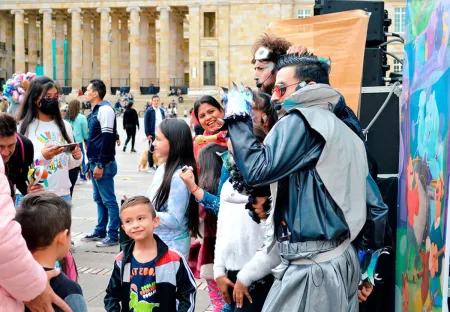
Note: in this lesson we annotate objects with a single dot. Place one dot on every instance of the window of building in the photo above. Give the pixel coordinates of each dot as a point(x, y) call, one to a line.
point(399, 20)
point(209, 24)
point(398, 67)
point(303, 13)
point(209, 73)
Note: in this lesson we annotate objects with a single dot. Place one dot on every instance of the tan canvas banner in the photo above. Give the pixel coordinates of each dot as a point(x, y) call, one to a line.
point(340, 36)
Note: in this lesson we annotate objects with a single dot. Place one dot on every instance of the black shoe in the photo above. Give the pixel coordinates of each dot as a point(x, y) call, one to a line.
point(92, 238)
point(124, 148)
point(133, 150)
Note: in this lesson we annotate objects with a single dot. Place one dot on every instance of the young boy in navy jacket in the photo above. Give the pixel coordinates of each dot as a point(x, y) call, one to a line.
point(147, 275)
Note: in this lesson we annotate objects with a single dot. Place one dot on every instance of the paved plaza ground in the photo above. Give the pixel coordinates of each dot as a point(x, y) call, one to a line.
point(95, 264)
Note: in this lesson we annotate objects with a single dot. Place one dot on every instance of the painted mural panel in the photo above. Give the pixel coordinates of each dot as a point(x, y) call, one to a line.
point(422, 261)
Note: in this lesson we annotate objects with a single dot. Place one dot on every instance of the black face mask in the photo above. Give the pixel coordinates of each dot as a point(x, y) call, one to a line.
point(49, 106)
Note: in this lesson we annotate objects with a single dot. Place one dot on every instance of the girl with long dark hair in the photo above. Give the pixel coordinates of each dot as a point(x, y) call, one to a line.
point(175, 206)
point(80, 132)
point(40, 120)
point(130, 122)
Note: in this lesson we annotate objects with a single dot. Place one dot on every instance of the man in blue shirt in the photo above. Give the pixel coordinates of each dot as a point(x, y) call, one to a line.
point(102, 167)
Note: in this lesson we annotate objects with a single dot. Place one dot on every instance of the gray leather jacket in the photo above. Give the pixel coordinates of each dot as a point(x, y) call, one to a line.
point(289, 156)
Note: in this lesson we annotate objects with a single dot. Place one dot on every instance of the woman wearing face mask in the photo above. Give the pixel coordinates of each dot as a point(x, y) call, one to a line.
point(40, 120)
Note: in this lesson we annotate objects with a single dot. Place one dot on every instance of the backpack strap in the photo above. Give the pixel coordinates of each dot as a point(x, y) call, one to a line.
point(22, 146)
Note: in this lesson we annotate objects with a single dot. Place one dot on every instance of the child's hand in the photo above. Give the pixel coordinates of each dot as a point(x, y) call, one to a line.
point(364, 291)
point(187, 175)
point(238, 294)
point(222, 284)
point(76, 153)
point(200, 139)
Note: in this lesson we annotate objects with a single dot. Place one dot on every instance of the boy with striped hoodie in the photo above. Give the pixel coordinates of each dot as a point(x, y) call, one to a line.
point(147, 275)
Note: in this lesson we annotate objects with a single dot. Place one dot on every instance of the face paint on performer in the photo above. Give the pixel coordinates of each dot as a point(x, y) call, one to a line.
point(264, 78)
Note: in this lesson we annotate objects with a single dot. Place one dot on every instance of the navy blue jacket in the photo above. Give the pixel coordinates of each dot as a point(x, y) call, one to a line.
point(102, 134)
point(150, 121)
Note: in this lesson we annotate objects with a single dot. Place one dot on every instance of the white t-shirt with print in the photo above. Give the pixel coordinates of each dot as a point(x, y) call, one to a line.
point(44, 134)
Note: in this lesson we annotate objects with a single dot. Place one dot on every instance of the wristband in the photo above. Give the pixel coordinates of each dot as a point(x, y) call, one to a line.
point(195, 190)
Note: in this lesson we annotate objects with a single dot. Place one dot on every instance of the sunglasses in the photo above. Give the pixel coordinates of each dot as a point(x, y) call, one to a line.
point(280, 89)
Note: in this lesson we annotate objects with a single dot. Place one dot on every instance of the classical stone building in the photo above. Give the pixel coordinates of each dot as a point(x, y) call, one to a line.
point(197, 44)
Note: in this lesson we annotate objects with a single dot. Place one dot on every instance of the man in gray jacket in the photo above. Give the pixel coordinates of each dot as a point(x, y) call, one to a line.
point(320, 208)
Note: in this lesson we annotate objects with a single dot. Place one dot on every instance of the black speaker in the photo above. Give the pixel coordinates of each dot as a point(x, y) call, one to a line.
point(383, 138)
point(373, 68)
point(375, 31)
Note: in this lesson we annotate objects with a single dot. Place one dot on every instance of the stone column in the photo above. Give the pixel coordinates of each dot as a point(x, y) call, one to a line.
point(124, 51)
point(87, 49)
point(286, 8)
point(32, 43)
point(9, 44)
point(143, 48)
point(115, 50)
point(47, 37)
point(76, 48)
point(60, 37)
point(224, 44)
point(105, 49)
point(180, 49)
point(172, 52)
point(97, 44)
point(152, 73)
point(194, 46)
point(19, 40)
point(164, 60)
point(134, 50)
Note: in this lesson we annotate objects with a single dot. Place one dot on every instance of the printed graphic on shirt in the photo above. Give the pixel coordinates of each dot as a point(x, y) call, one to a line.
point(60, 161)
point(143, 286)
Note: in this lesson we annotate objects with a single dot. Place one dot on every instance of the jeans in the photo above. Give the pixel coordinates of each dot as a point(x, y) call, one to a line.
point(106, 201)
point(83, 162)
point(131, 134)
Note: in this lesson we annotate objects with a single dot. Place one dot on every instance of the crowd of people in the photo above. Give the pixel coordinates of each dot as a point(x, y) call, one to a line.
point(268, 201)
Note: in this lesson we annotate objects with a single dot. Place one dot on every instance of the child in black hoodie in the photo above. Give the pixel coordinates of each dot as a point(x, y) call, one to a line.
point(147, 275)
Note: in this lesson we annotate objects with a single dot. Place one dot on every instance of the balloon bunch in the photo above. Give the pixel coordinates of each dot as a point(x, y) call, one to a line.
point(14, 88)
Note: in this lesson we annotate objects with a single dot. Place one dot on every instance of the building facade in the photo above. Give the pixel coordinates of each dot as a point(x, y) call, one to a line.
point(198, 44)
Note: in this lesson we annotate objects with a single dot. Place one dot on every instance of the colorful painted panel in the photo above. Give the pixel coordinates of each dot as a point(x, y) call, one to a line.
point(422, 261)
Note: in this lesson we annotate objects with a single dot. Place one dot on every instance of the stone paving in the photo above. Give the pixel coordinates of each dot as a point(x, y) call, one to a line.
point(95, 264)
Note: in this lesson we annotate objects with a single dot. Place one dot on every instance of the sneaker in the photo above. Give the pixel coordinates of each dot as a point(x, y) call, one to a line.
point(92, 238)
point(133, 151)
point(107, 242)
point(124, 148)
point(152, 170)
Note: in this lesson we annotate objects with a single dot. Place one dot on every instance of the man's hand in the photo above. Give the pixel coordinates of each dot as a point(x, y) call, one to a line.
point(222, 284)
point(238, 294)
point(76, 153)
point(258, 206)
point(35, 188)
point(43, 302)
point(364, 291)
point(188, 178)
point(51, 151)
point(118, 142)
point(297, 49)
point(98, 173)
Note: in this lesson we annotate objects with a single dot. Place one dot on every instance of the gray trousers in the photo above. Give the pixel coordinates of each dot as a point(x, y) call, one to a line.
point(321, 287)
